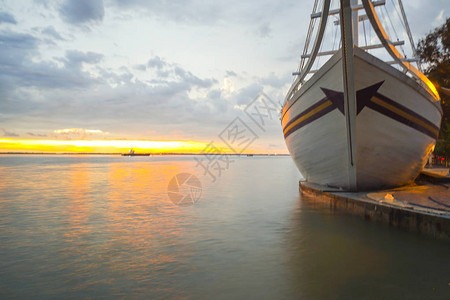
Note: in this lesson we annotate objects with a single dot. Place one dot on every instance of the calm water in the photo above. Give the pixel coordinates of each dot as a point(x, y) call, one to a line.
point(102, 226)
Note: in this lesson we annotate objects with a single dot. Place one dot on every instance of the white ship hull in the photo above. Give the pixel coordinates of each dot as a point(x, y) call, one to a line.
point(395, 127)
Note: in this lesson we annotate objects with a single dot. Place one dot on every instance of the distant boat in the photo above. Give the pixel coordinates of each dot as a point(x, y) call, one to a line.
point(249, 154)
point(358, 123)
point(132, 153)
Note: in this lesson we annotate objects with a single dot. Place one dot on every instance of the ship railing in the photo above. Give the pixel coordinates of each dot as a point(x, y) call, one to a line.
point(368, 47)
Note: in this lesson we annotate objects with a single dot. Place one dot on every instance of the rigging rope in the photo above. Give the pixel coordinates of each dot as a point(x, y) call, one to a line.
point(395, 31)
point(335, 32)
point(364, 29)
point(308, 37)
point(408, 32)
point(384, 18)
point(398, 15)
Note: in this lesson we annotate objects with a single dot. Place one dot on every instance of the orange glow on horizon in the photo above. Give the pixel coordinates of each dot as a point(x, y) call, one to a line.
point(100, 146)
point(110, 146)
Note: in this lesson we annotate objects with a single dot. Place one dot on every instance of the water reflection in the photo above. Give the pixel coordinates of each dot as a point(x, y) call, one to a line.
point(336, 256)
point(77, 221)
point(135, 231)
point(326, 256)
point(78, 207)
point(104, 226)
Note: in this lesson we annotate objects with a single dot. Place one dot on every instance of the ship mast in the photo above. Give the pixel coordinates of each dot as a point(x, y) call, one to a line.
point(348, 30)
point(355, 22)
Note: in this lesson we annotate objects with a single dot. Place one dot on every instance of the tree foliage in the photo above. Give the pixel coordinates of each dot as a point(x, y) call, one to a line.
point(434, 56)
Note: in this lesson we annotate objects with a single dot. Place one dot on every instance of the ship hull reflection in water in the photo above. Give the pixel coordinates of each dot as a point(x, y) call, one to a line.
point(104, 226)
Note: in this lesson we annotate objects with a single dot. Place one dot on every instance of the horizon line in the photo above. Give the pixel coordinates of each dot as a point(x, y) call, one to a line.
point(145, 153)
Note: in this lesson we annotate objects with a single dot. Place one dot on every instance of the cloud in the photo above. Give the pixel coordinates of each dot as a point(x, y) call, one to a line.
point(264, 30)
point(228, 86)
point(200, 12)
point(156, 62)
point(248, 93)
point(82, 11)
point(140, 67)
point(423, 16)
point(114, 99)
point(15, 47)
point(19, 69)
point(50, 31)
point(28, 85)
point(8, 133)
point(76, 58)
point(16, 67)
point(69, 88)
point(79, 132)
point(179, 11)
point(44, 3)
point(7, 18)
point(165, 70)
point(274, 81)
point(439, 18)
point(231, 74)
point(36, 134)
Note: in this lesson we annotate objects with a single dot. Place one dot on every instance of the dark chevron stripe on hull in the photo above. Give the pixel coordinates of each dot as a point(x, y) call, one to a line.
point(371, 98)
point(330, 102)
point(365, 97)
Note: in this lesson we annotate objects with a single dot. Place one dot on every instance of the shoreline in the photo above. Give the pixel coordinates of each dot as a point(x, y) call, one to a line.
point(151, 154)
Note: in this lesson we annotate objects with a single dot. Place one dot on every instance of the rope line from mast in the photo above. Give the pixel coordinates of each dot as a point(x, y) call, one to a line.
point(308, 37)
point(395, 31)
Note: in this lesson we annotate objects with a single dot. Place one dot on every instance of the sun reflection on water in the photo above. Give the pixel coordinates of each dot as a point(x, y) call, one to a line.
point(104, 218)
point(84, 226)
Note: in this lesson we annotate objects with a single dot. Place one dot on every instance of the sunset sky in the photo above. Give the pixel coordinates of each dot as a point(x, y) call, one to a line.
point(104, 76)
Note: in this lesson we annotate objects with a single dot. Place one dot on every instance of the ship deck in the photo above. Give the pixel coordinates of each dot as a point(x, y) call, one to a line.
point(422, 207)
